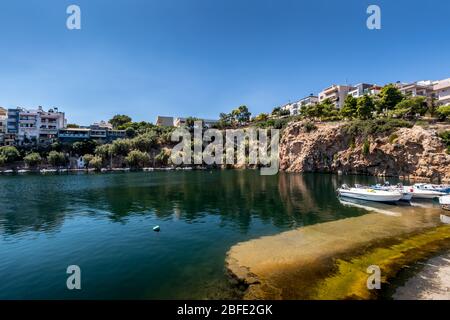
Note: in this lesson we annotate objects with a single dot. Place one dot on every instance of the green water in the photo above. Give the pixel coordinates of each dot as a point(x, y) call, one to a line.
point(103, 223)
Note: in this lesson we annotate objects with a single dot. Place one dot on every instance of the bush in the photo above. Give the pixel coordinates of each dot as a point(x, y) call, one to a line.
point(9, 154)
point(366, 147)
point(137, 159)
point(163, 157)
point(120, 147)
point(310, 126)
point(103, 151)
point(32, 159)
point(2, 160)
point(392, 138)
point(444, 112)
point(96, 162)
point(144, 142)
point(369, 127)
point(87, 159)
point(57, 158)
point(445, 136)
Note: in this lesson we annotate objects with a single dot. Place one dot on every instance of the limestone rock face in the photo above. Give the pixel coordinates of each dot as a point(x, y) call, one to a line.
point(416, 152)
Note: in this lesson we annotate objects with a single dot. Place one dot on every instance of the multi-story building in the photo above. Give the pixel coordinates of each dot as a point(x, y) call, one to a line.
point(178, 122)
point(33, 126)
point(3, 124)
point(49, 123)
point(418, 89)
point(442, 90)
point(164, 121)
point(336, 94)
point(295, 108)
point(360, 90)
point(102, 131)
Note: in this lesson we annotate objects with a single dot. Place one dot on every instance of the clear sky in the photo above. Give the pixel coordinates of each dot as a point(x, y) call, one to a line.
point(203, 57)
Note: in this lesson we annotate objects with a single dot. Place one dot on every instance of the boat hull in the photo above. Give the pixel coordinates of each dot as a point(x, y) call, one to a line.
point(370, 197)
point(445, 202)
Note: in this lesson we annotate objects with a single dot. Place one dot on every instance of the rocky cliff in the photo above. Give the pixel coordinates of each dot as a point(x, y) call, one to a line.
point(416, 152)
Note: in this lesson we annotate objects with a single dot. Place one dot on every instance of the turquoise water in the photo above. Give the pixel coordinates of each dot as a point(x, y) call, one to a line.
point(103, 223)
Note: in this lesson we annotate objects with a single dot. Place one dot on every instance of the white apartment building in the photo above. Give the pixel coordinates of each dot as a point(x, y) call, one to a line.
point(34, 126)
point(336, 94)
point(296, 107)
point(442, 90)
point(418, 89)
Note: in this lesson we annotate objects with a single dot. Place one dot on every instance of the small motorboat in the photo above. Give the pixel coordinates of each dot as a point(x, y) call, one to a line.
point(370, 194)
point(406, 193)
point(445, 202)
point(422, 191)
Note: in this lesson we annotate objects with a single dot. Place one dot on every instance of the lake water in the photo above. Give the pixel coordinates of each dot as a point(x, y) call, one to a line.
point(103, 223)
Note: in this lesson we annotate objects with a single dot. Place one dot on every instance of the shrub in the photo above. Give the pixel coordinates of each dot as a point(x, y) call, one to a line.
point(2, 160)
point(366, 147)
point(137, 159)
point(96, 162)
point(310, 126)
point(57, 158)
point(444, 112)
point(163, 157)
point(103, 151)
point(369, 127)
point(9, 154)
point(87, 159)
point(32, 159)
point(120, 147)
point(392, 138)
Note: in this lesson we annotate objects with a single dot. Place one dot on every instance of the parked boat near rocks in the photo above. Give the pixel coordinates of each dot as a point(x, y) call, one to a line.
point(370, 194)
point(445, 202)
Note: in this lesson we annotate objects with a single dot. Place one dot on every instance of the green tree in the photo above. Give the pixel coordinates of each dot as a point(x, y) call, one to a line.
point(72, 125)
point(120, 147)
point(103, 151)
point(410, 107)
point(87, 159)
point(262, 117)
point(443, 112)
point(390, 96)
point(137, 159)
point(32, 159)
point(96, 162)
point(241, 115)
point(364, 107)
point(57, 158)
point(83, 147)
point(119, 119)
point(2, 160)
point(349, 109)
point(9, 153)
point(144, 142)
point(163, 157)
point(130, 132)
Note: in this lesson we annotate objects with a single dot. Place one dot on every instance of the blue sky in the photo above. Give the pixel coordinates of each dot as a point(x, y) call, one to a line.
point(203, 57)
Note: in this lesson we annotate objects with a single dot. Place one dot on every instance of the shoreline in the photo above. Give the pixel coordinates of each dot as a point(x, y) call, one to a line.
point(329, 260)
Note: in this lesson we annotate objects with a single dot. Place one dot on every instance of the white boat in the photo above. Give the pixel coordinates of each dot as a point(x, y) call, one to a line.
point(370, 194)
point(445, 202)
point(420, 192)
point(406, 193)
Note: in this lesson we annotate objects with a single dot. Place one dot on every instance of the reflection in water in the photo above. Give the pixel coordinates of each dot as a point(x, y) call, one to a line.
point(103, 222)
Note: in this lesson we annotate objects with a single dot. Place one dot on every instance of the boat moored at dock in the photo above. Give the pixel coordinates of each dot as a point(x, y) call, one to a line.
point(370, 194)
